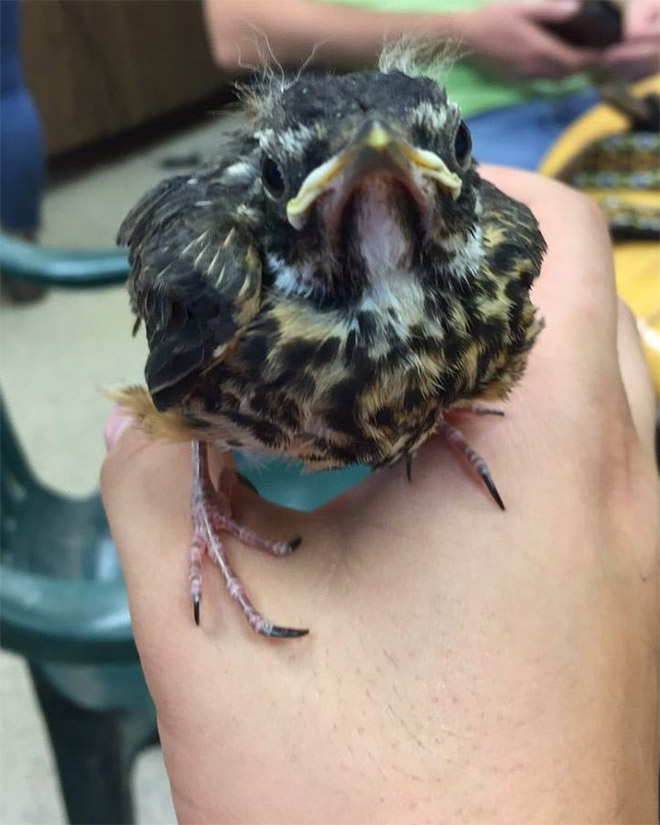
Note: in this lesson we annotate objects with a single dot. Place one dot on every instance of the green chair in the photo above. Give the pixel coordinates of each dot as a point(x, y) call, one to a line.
point(66, 268)
point(62, 599)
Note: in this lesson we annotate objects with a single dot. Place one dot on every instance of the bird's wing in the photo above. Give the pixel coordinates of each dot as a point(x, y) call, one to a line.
point(195, 272)
point(513, 234)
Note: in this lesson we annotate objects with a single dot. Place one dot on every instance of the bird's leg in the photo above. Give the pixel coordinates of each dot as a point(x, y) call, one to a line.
point(456, 441)
point(409, 463)
point(211, 516)
point(477, 409)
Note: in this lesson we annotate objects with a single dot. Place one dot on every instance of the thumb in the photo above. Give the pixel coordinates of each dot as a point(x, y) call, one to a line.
point(562, 57)
point(555, 11)
point(118, 421)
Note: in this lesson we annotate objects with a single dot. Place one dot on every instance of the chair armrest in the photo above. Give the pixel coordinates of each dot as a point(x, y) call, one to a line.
point(73, 268)
point(65, 620)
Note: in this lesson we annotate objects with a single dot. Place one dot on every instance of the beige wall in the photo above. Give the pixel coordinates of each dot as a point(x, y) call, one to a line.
point(97, 67)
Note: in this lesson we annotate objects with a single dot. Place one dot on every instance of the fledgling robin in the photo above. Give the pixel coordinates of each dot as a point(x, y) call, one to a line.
point(327, 289)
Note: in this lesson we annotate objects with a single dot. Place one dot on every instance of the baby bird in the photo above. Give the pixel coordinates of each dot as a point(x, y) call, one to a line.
point(327, 289)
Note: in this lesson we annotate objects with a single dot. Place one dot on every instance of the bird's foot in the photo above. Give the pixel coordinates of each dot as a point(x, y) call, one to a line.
point(211, 516)
point(456, 441)
point(478, 409)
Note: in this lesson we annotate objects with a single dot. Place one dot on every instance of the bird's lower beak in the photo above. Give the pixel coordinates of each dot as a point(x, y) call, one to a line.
point(375, 149)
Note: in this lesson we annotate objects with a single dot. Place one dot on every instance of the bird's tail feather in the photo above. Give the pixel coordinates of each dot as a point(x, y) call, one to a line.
point(136, 400)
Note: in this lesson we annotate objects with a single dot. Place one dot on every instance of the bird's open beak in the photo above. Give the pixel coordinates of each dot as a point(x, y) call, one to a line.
point(374, 149)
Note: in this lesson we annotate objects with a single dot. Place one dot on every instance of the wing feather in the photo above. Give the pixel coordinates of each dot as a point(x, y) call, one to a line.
point(195, 273)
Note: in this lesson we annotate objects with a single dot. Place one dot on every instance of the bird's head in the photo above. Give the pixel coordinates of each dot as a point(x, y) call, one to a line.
point(364, 177)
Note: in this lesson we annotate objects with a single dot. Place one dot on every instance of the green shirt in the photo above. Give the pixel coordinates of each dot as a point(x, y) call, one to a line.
point(475, 89)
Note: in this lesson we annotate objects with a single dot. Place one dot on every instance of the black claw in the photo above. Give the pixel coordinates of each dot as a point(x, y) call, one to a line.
point(295, 543)
point(409, 461)
point(283, 632)
point(489, 411)
point(492, 489)
point(195, 602)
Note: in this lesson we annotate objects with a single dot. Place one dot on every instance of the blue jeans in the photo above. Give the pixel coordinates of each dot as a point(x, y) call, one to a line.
point(22, 154)
point(521, 135)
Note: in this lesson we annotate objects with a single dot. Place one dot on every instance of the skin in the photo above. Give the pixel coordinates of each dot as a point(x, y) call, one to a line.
point(507, 36)
point(464, 664)
point(638, 54)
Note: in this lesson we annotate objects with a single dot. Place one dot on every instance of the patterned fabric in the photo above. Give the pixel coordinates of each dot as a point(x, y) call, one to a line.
point(613, 169)
point(630, 221)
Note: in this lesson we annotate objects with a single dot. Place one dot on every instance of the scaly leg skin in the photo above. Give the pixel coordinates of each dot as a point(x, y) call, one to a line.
point(456, 442)
point(211, 516)
point(477, 409)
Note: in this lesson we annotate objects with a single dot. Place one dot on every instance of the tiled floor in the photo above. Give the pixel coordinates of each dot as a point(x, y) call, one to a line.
point(57, 356)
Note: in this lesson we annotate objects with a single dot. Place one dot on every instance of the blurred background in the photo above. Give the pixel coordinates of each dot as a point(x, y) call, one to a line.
point(120, 95)
point(101, 99)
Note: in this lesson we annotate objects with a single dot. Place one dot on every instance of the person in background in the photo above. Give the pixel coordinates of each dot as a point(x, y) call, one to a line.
point(518, 86)
point(22, 149)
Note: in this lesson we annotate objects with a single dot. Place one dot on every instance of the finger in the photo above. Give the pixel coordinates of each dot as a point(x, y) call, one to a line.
point(118, 421)
point(143, 479)
point(633, 59)
point(559, 57)
point(635, 375)
point(555, 12)
point(643, 47)
point(641, 18)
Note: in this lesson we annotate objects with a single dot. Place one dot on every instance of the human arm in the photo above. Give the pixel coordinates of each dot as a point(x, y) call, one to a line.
point(463, 664)
point(507, 36)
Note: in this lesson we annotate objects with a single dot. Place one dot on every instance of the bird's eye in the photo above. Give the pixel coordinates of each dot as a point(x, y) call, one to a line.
point(271, 174)
point(462, 144)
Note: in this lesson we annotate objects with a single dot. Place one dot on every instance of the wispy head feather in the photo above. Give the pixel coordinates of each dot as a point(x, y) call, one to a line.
point(419, 56)
point(414, 55)
point(259, 95)
point(268, 80)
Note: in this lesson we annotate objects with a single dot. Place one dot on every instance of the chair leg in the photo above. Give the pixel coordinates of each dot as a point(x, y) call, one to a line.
point(94, 752)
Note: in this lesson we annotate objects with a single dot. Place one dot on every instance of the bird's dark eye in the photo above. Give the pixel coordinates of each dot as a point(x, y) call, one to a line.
point(272, 177)
point(462, 144)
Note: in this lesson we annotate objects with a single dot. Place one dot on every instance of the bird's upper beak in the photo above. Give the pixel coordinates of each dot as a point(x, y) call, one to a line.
point(374, 149)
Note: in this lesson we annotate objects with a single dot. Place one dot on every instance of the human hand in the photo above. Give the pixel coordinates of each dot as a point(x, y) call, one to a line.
point(638, 53)
point(463, 664)
point(511, 39)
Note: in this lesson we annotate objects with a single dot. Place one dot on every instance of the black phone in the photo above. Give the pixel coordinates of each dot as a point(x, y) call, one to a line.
point(597, 24)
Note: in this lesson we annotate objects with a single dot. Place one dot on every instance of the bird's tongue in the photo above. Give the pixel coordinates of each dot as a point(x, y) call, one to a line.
point(377, 220)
